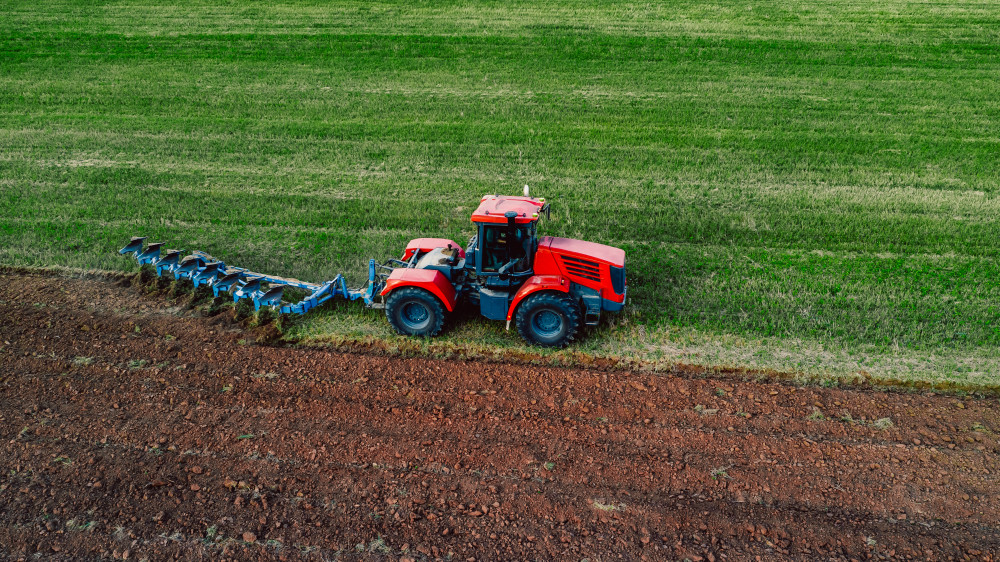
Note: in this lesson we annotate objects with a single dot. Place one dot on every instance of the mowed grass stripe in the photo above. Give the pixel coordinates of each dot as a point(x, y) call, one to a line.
point(891, 23)
point(844, 219)
point(887, 151)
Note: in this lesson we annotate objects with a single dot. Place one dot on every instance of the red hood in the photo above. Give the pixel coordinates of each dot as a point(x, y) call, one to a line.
point(582, 249)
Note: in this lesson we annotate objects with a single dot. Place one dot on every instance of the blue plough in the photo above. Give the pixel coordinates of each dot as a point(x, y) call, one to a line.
point(263, 290)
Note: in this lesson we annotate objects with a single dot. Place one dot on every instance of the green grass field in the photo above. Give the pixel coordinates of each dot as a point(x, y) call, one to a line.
point(799, 185)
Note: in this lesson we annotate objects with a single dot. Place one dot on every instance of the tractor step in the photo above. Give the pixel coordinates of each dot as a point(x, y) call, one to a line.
point(591, 313)
point(259, 288)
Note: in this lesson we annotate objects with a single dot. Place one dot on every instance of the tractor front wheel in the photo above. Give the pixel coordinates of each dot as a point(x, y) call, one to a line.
point(414, 312)
point(548, 319)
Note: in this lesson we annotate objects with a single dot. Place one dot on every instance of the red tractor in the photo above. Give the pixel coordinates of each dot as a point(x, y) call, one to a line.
point(549, 287)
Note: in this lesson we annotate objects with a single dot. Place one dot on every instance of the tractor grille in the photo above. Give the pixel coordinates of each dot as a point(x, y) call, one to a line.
point(582, 268)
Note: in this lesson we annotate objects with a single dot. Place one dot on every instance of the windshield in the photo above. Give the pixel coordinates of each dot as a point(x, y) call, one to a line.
point(502, 244)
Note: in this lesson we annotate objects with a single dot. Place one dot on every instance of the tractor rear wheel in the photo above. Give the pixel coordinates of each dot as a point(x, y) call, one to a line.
point(548, 319)
point(414, 312)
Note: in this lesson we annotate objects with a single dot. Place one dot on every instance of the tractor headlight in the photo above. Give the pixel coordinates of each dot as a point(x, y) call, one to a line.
point(618, 280)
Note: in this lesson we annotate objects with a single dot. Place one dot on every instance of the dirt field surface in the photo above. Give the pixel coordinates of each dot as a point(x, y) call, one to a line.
point(132, 429)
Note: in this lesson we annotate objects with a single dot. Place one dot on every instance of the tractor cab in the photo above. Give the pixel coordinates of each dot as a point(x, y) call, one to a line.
point(501, 255)
point(503, 249)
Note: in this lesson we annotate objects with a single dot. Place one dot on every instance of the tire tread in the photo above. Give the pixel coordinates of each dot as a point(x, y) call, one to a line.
point(560, 301)
point(406, 293)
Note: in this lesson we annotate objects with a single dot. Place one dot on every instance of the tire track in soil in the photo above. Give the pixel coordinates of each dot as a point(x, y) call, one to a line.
point(128, 426)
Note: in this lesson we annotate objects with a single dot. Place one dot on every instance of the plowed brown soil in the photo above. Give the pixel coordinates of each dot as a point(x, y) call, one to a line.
point(134, 429)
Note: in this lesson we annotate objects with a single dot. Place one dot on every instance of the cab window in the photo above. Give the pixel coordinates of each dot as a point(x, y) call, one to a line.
point(501, 245)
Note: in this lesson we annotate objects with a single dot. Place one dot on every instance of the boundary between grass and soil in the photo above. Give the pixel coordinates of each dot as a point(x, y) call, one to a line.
point(267, 329)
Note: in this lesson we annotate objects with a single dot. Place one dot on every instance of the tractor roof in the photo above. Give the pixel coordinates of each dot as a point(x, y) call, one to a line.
point(492, 209)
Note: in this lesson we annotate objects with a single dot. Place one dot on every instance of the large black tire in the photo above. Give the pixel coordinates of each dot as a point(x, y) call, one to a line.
point(548, 319)
point(414, 312)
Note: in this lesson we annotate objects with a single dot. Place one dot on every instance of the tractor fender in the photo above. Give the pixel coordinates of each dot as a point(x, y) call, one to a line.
point(534, 284)
point(430, 280)
point(428, 244)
